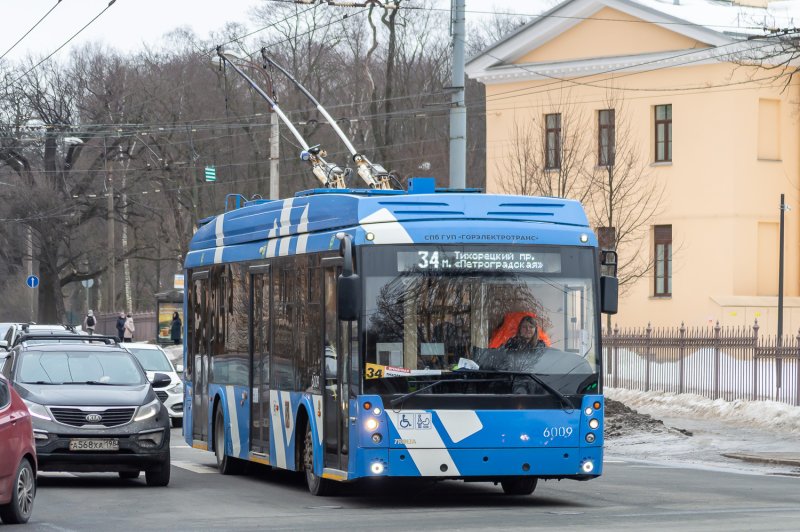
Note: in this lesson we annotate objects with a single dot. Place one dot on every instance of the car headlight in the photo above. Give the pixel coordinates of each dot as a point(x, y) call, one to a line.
point(147, 411)
point(37, 410)
point(178, 388)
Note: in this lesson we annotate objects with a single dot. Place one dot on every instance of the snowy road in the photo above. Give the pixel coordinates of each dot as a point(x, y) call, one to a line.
point(716, 428)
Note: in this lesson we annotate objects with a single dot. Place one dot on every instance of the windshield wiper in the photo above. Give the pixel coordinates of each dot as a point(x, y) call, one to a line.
point(42, 382)
point(538, 380)
point(90, 382)
point(402, 398)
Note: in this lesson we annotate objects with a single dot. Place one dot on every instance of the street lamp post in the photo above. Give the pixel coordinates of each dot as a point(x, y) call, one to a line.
point(784, 208)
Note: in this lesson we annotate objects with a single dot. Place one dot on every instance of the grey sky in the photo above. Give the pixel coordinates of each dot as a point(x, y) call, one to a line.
point(128, 24)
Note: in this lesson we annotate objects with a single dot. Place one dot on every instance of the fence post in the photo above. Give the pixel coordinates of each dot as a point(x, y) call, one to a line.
point(716, 360)
point(681, 354)
point(797, 368)
point(755, 361)
point(648, 332)
point(615, 355)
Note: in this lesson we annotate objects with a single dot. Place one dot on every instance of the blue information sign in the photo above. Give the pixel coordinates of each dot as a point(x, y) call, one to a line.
point(32, 281)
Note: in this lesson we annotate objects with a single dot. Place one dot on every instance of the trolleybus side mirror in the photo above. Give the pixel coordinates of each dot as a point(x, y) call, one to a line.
point(609, 284)
point(609, 294)
point(348, 286)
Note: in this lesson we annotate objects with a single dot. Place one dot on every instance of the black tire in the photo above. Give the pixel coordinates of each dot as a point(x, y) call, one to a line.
point(227, 465)
point(316, 485)
point(129, 475)
point(19, 509)
point(158, 476)
point(177, 422)
point(519, 485)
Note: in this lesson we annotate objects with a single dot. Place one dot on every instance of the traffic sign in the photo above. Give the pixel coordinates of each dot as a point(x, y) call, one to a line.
point(211, 173)
point(32, 281)
point(87, 283)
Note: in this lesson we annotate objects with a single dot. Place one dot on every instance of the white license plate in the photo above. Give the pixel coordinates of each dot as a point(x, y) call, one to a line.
point(94, 445)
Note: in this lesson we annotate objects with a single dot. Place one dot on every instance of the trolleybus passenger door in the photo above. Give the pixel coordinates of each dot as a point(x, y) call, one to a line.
point(335, 393)
point(199, 354)
point(259, 358)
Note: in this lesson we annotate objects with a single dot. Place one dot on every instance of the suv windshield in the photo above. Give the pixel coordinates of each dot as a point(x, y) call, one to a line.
point(75, 367)
point(151, 359)
point(521, 310)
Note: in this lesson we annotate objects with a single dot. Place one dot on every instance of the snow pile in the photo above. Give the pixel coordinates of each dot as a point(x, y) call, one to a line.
point(767, 414)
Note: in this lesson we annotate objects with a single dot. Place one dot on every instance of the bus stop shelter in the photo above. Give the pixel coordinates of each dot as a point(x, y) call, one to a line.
point(166, 304)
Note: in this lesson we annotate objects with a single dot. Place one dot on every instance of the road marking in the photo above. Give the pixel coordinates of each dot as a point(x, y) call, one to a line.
point(195, 468)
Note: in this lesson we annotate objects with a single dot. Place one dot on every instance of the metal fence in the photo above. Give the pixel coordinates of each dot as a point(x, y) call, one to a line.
point(715, 362)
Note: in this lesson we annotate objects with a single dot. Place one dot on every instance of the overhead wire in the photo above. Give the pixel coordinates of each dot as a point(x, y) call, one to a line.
point(54, 52)
point(30, 30)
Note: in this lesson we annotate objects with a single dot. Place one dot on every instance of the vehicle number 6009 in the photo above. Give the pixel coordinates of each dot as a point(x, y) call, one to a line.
point(557, 432)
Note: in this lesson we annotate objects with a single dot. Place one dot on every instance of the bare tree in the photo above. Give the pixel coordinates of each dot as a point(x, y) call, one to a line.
point(625, 200)
point(547, 154)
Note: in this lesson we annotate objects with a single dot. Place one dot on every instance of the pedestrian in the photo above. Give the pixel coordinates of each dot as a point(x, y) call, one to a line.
point(129, 329)
point(89, 322)
point(121, 326)
point(175, 328)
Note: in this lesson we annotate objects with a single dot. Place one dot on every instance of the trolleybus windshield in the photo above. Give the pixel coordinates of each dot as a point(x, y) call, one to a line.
point(483, 314)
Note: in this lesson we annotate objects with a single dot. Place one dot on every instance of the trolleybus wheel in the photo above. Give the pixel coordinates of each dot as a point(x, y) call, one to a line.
point(519, 485)
point(226, 464)
point(316, 485)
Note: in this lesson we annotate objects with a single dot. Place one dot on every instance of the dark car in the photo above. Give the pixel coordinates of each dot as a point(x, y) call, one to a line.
point(93, 408)
point(18, 453)
point(15, 331)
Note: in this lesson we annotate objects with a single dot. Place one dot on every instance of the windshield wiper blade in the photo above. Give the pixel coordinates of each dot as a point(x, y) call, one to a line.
point(402, 398)
point(42, 382)
point(538, 380)
point(90, 382)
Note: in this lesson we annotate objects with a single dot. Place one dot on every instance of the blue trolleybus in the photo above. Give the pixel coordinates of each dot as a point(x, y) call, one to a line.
point(425, 333)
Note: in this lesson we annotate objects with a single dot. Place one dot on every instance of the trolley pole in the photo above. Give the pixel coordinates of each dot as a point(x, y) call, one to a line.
point(458, 110)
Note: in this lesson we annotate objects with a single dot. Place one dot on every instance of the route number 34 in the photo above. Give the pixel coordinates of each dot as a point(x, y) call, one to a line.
point(557, 432)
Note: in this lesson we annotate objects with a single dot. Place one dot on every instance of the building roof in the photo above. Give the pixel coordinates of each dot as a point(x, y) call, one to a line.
point(724, 27)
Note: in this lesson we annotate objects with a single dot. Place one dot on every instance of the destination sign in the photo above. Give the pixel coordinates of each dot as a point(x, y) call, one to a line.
point(513, 261)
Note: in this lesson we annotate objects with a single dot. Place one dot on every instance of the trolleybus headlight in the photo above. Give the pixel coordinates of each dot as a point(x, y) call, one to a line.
point(584, 238)
point(376, 438)
point(594, 423)
point(376, 468)
point(376, 411)
point(588, 411)
point(588, 466)
point(590, 438)
point(371, 424)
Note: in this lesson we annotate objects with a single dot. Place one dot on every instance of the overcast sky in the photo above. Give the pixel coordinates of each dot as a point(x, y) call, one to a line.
point(129, 23)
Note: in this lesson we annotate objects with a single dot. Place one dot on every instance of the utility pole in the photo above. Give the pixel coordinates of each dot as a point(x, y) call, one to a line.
point(111, 269)
point(458, 110)
point(274, 153)
point(784, 208)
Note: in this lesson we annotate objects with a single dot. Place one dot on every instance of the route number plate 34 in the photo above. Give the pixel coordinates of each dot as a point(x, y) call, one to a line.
point(94, 445)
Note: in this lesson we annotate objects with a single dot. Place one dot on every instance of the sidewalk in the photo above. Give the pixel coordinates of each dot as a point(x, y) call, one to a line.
point(789, 459)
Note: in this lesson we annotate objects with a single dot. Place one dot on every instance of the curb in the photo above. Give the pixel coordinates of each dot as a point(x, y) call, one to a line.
point(790, 459)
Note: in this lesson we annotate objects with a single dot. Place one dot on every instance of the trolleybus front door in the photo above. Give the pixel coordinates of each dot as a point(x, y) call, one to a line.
point(259, 359)
point(199, 354)
point(335, 392)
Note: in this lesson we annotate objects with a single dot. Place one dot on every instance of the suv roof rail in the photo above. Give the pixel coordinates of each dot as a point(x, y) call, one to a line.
point(108, 340)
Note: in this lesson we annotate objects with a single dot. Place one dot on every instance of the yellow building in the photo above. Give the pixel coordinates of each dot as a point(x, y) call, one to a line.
point(702, 143)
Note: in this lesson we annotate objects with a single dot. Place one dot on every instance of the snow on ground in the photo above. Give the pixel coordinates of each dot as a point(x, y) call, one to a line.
point(696, 431)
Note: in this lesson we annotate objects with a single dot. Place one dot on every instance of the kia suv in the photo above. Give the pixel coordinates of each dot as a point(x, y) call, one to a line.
point(93, 408)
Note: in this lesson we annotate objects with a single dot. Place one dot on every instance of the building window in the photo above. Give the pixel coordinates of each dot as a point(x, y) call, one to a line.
point(663, 133)
point(553, 141)
point(662, 236)
point(605, 138)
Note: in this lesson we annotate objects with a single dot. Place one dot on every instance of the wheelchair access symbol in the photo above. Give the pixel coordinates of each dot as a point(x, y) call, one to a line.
point(415, 421)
